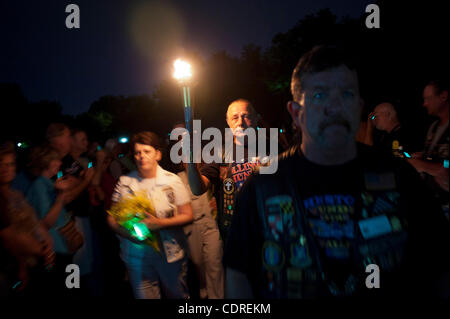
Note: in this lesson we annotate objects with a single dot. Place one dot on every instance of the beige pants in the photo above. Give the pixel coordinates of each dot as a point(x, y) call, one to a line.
point(205, 252)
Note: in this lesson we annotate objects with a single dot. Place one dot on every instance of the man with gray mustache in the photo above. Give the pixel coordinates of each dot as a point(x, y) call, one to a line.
point(336, 216)
point(227, 177)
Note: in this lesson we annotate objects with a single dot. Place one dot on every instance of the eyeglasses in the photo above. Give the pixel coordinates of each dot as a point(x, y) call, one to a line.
point(374, 115)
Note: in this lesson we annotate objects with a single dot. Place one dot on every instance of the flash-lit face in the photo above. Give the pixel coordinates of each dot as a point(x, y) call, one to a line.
point(431, 101)
point(381, 119)
point(330, 107)
point(7, 169)
point(240, 117)
point(62, 143)
point(80, 141)
point(146, 157)
point(54, 166)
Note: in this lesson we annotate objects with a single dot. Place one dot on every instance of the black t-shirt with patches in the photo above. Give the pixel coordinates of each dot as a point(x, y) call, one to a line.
point(336, 209)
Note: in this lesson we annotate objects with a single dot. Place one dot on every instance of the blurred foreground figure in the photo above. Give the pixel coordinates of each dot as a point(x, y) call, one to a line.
point(25, 245)
point(335, 209)
point(49, 199)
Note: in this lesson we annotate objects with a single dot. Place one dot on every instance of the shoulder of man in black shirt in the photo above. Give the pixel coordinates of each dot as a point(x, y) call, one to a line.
point(244, 243)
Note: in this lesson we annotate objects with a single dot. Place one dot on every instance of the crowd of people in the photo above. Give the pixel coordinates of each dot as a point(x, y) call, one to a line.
point(342, 198)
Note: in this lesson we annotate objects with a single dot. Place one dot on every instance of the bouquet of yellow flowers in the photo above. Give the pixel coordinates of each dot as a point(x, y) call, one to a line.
point(130, 211)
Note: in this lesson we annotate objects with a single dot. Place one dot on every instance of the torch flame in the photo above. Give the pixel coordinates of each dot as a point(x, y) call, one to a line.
point(182, 70)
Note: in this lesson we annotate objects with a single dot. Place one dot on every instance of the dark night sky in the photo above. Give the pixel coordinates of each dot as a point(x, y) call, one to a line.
point(127, 47)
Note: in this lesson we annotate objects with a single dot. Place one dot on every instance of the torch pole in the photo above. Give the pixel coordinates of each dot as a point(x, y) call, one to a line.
point(188, 114)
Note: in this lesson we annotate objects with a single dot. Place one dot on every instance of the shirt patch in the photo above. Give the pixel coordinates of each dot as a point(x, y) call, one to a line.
point(241, 171)
point(375, 227)
point(273, 256)
point(331, 223)
point(169, 194)
point(228, 186)
point(380, 181)
point(336, 230)
point(280, 216)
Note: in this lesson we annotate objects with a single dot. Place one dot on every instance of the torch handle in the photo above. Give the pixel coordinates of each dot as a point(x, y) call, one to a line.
point(188, 119)
point(188, 116)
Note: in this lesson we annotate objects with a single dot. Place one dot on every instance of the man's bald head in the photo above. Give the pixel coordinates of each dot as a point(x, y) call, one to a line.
point(385, 117)
point(241, 103)
point(386, 107)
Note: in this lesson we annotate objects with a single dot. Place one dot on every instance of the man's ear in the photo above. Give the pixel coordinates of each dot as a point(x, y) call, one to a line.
point(294, 110)
point(158, 155)
point(443, 96)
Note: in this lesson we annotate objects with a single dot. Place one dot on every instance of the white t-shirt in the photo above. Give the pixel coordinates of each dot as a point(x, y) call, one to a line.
point(166, 191)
